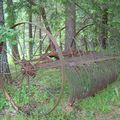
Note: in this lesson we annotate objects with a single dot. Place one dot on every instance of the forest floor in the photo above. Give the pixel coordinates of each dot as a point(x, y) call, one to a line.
point(104, 106)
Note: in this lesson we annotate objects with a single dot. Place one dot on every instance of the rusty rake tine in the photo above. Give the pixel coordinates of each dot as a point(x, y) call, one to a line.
point(39, 45)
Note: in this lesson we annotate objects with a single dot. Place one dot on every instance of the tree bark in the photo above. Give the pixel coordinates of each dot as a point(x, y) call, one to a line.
point(1, 23)
point(11, 22)
point(70, 24)
point(4, 67)
point(30, 33)
point(104, 27)
point(40, 36)
point(1, 13)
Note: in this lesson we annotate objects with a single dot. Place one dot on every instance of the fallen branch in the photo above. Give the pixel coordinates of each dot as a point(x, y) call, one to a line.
point(8, 97)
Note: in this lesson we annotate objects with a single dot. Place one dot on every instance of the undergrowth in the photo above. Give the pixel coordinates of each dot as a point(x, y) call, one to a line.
point(83, 110)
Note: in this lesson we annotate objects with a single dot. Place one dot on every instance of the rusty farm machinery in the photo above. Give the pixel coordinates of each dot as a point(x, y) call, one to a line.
point(86, 72)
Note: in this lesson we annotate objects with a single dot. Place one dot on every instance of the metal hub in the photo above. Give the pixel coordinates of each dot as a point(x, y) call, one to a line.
point(28, 68)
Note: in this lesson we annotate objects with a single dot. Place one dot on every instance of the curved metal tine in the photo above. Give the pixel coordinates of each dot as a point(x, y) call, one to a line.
point(39, 45)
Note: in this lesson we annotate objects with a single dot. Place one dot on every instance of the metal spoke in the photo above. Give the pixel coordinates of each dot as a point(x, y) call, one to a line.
point(39, 46)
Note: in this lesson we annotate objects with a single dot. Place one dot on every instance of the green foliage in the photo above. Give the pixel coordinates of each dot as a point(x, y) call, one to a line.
point(88, 11)
point(3, 102)
point(6, 34)
point(83, 110)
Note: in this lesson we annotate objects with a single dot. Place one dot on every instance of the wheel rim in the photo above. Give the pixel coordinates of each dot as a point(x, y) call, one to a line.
point(48, 89)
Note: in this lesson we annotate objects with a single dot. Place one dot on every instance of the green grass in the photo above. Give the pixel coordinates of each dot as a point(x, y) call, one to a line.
point(102, 103)
point(103, 100)
point(3, 102)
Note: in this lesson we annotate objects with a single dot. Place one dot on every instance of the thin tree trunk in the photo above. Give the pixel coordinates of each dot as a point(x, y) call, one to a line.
point(70, 26)
point(11, 22)
point(61, 46)
point(104, 27)
point(1, 21)
point(4, 67)
point(40, 36)
point(1, 13)
point(30, 33)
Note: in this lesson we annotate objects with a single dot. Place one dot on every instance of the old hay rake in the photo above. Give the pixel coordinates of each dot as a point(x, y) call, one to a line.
point(32, 87)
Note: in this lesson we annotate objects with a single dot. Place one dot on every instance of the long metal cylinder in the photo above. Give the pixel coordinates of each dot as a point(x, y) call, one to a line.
point(85, 80)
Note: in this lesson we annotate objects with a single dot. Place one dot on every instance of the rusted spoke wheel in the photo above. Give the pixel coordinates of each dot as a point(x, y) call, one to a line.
point(33, 88)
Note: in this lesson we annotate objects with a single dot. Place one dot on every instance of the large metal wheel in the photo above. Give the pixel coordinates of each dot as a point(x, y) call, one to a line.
point(33, 86)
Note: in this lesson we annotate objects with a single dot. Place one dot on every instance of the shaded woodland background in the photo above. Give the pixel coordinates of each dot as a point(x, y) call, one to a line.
point(86, 25)
point(97, 21)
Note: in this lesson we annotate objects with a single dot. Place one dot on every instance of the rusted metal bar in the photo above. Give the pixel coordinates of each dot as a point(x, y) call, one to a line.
point(75, 61)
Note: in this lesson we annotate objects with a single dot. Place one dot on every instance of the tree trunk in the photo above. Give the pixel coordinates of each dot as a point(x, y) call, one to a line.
point(70, 25)
point(40, 36)
point(104, 27)
point(30, 32)
point(11, 22)
point(1, 23)
point(1, 13)
point(44, 17)
point(4, 67)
